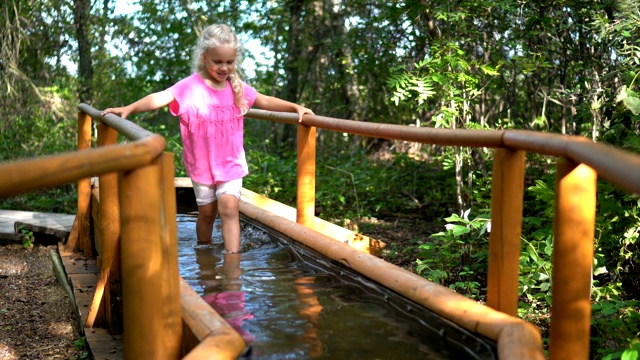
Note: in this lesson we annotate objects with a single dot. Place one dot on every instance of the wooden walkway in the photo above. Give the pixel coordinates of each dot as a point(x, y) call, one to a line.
point(81, 272)
point(83, 275)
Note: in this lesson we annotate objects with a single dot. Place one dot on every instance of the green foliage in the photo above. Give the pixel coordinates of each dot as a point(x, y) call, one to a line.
point(457, 257)
point(352, 185)
point(622, 102)
point(535, 254)
point(629, 98)
point(29, 239)
point(38, 131)
point(448, 74)
point(61, 199)
point(81, 344)
point(616, 245)
point(272, 176)
point(615, 260)
point(170, 129)
point(617, 329)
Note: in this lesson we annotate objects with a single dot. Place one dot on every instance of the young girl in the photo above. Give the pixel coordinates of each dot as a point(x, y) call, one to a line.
point(211, 104)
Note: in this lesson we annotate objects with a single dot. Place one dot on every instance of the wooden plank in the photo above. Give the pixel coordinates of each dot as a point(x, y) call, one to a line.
point(83, 274)
point(79, 265)
point(53, 224)
point(104, 346)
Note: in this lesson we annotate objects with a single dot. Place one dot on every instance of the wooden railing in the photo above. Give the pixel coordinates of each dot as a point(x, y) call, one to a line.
point(580, 162)
point(150, 280)
point(138, 218)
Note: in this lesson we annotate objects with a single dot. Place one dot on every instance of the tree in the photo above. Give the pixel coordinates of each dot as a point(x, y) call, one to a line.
point(81, 16)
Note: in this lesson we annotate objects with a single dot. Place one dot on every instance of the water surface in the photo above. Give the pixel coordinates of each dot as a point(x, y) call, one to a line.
point(289, 303)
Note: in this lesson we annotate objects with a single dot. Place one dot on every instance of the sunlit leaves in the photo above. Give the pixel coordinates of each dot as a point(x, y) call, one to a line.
point(630, 100)
point(448, 77)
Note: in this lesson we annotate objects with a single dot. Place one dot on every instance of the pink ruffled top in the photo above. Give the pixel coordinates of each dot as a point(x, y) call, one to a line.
point(212, 130)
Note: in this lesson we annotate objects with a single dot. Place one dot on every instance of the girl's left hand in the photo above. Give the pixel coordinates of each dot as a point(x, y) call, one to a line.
point(301, 110)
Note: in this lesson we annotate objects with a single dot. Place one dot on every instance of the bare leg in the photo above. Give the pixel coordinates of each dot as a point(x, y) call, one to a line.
point(228, 209)
point(204, 223)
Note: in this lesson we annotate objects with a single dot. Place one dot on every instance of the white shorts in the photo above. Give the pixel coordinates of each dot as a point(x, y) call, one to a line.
point(207, 194)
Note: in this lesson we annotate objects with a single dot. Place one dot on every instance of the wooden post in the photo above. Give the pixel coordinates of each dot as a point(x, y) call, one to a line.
point(173, 340)
point(149, 319)
point(572, 259)
point(306, 195)
point(80, 238)
point(507, 195)
point(108, 289)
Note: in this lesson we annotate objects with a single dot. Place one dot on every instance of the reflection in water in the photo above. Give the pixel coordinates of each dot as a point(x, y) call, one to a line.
point(310, 310)
point(227, 297)
point(289, 304)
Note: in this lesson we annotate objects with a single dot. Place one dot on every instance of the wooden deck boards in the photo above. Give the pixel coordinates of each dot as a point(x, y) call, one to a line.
point(83, 274)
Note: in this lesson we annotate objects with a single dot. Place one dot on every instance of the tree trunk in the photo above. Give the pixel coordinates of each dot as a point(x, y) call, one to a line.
point(291, 67)
point(81, 13)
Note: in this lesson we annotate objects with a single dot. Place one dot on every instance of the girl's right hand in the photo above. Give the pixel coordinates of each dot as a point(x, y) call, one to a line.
point(123, 111)
point(150, 102)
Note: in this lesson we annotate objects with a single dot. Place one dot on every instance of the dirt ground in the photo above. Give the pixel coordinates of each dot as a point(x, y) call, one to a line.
point(37, 318)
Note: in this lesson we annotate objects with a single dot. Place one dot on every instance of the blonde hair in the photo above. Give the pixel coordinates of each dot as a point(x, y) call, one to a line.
point(222, 35)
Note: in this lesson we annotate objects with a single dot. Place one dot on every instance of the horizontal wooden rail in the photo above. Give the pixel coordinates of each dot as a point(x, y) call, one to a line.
point(476, 138)
point(216, 338)
point(619, 167)
point(128, 129)
point(28, 175)
point(516, 338)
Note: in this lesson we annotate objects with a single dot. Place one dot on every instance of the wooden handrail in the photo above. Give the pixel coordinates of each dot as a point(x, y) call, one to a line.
point(476, 138)
point(27, 175)
point(617, 166)
point(620, 168)
point(127, 128)
point(473, 316)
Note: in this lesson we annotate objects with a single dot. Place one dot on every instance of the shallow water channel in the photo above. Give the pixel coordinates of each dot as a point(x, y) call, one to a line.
point(289, 303)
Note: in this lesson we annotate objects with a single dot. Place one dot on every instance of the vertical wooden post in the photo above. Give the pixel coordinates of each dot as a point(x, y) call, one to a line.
point(173, 339)
point(80, 239)
point(148, 302)
point(572, 259)
point(507, 195)
point(306, 195)
point(108, 289)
